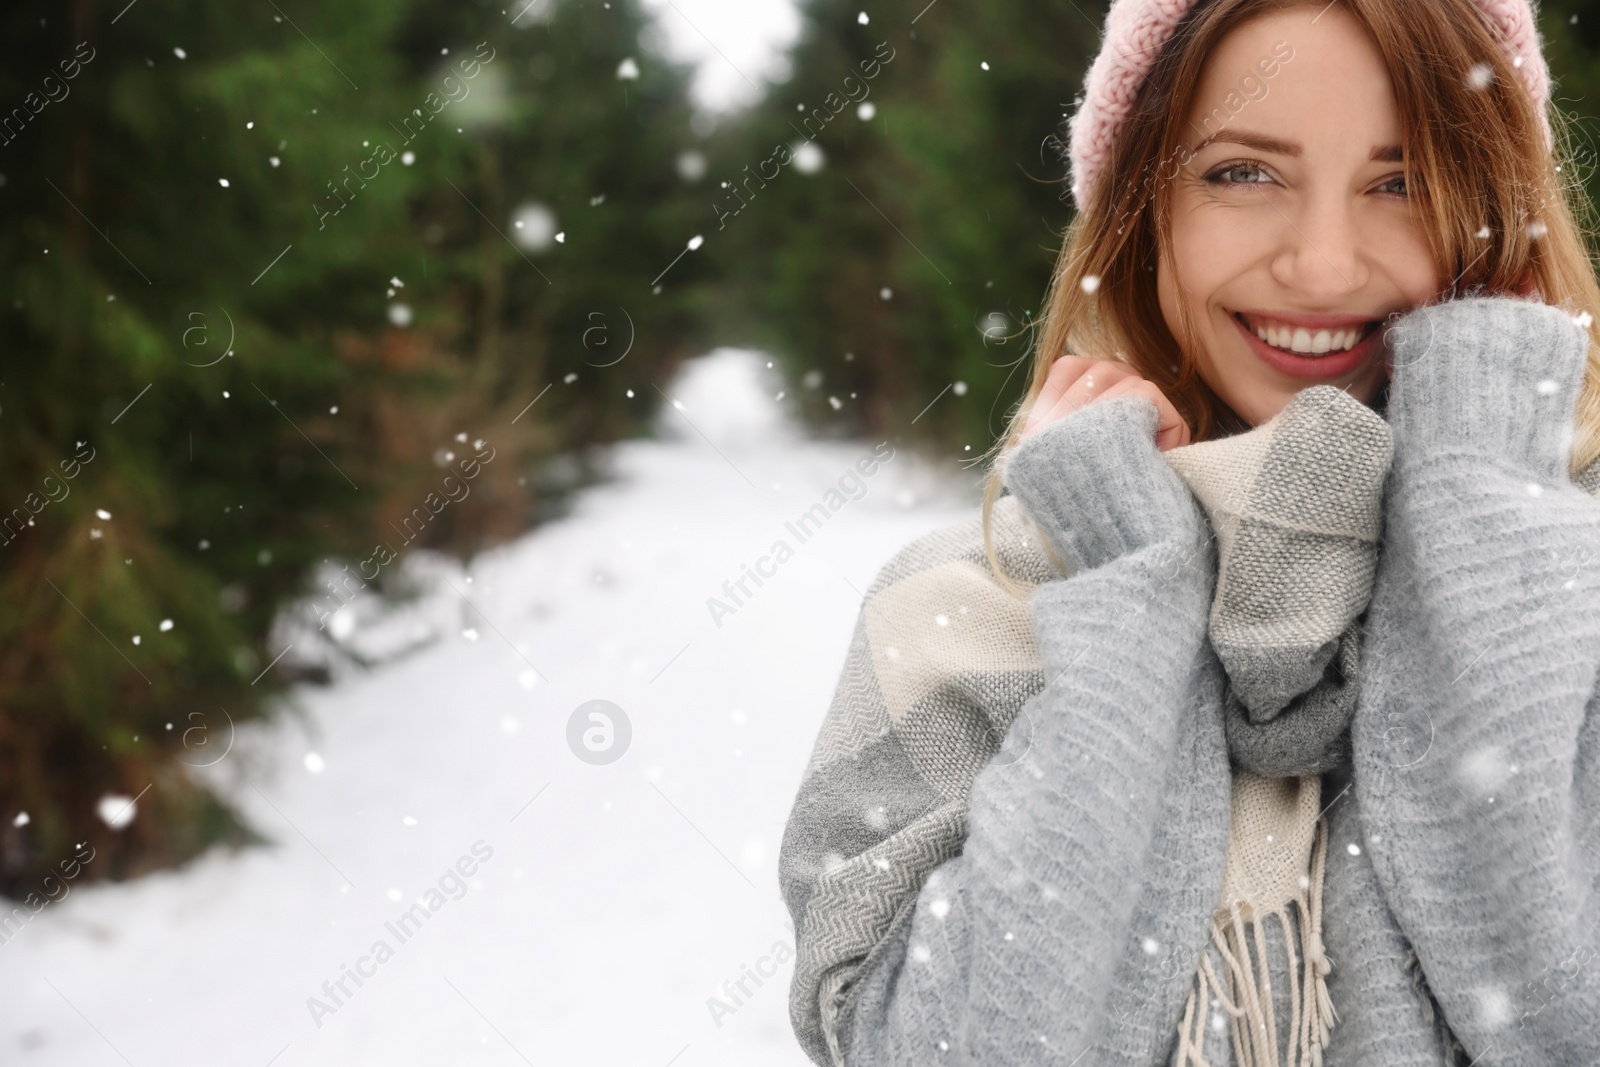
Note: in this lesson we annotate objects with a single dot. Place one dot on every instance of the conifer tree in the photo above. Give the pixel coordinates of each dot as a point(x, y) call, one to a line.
point(261, 276)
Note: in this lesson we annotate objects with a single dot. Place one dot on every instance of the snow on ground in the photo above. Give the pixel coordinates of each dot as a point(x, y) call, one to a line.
point(605, 904)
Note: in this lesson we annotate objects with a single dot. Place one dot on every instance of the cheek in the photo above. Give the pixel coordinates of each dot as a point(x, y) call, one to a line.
point(1167, 294)
point(1199, 263)
point(1410, 263)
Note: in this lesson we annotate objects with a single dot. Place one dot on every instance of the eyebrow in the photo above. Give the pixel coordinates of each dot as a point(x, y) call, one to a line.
point(1263, 143)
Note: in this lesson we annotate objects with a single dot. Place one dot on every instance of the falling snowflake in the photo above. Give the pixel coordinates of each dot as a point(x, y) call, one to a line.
point(1494, 1007)
point(808, 158)
point(1484, 770)
point(535, 227)
point(115, 810)
point(691, 166)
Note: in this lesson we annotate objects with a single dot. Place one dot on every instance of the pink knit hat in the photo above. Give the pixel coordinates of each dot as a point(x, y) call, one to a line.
point(1136, 30)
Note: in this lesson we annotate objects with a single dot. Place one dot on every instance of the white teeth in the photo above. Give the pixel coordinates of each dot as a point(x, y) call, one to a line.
point(1302, 340)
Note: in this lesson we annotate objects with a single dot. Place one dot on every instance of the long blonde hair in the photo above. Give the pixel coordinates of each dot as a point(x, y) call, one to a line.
point(1486, 167)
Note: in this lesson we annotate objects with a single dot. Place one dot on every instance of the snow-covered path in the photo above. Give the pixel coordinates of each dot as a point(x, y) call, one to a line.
point(604, 904)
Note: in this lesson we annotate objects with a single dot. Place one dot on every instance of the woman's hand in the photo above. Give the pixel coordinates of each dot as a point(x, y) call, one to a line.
point(1498, 376)
point(1075, 382)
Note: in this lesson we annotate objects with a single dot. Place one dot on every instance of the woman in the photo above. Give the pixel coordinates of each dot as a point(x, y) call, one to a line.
point(1286, 757)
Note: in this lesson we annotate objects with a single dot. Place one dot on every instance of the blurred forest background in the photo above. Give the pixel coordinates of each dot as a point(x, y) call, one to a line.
point(270, 269)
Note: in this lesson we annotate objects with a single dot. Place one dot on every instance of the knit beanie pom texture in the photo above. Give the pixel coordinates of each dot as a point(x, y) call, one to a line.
point(1136, 30)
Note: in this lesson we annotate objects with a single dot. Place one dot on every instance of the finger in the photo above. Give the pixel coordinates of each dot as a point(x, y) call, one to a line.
point(1063, 372)
point(1086, 382)
point(1171, 429)
point(1094, 382)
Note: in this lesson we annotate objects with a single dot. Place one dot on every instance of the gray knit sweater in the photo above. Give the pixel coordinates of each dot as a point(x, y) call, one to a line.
point(1463, 858)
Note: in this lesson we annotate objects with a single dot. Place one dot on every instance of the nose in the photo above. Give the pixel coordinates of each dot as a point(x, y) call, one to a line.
point(1321, 254)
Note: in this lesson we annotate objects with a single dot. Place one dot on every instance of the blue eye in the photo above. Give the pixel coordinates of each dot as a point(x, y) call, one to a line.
point(1220, 176)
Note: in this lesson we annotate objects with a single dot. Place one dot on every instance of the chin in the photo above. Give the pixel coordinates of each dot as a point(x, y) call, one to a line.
point(1261, 404)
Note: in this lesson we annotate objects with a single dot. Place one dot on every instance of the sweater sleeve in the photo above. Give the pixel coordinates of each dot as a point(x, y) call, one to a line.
point(1007, 953)
point(1477, 735)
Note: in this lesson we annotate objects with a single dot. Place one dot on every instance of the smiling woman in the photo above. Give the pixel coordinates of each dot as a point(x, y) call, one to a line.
point(1293, 233)
point(1310, 417)
point(1336, 200)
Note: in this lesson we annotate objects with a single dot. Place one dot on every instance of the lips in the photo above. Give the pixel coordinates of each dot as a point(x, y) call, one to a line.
point(1314, 367)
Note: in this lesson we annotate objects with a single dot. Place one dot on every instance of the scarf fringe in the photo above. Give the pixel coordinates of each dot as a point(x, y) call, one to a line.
point(1250, 1007)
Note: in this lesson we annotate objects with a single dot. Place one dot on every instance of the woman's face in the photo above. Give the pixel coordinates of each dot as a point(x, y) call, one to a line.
point(1292, 217)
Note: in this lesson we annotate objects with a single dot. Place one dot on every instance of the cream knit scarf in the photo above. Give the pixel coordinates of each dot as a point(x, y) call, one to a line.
point(1295, 504)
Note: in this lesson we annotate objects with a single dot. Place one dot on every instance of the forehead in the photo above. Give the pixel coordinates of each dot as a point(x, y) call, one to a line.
point(1333, 83)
